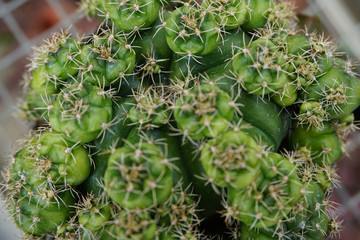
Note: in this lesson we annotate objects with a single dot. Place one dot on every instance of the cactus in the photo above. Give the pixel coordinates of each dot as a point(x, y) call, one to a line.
point(81, 111)
point(55, 62)
point(107, 59)
point(181, 120)
point(191, 31)
point(204, 112)
point(232, 160)
point(137, 176)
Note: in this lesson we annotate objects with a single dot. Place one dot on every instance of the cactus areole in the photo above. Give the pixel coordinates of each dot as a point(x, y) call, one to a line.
point(183, 120)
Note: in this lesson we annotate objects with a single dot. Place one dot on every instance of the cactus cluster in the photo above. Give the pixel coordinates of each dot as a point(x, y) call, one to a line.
point(183, 120)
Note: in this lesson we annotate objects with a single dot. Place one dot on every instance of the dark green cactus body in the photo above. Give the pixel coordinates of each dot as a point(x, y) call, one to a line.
point(266, 116)
point(201, 186)
point(132, 84)
point(118, 128)
point(112, 137)
point(311, 222)
point(257, 134)
point(182, 66)
point(254, 234)
point(152, 50)
point(94, 184)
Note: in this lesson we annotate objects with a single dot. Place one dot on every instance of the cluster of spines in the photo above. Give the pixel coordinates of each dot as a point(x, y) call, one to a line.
point(152, 108)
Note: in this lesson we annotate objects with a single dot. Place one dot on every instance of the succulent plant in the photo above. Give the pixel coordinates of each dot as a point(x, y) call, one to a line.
point(183, 120)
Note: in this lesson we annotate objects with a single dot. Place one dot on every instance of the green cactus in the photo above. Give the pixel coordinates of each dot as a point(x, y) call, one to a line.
point(151, 109)
point(262, 67)
point(92, 213)
point(54, 63)
point(181, 120)
point(152, 51)
point(270, 197)
point(39, 184)
point(324, 144)
point(232, 160)
point(337, 91)
point(230, 14)
point(204, 112)
point(137, 177)
point(184, 66)
point(37, 218)
point(131, 15)
point(108, 59)
point(81, 111)
point(192, 31)
point(257, 14)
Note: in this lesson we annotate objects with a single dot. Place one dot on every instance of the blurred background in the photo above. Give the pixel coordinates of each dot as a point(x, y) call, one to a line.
point(25, 23)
